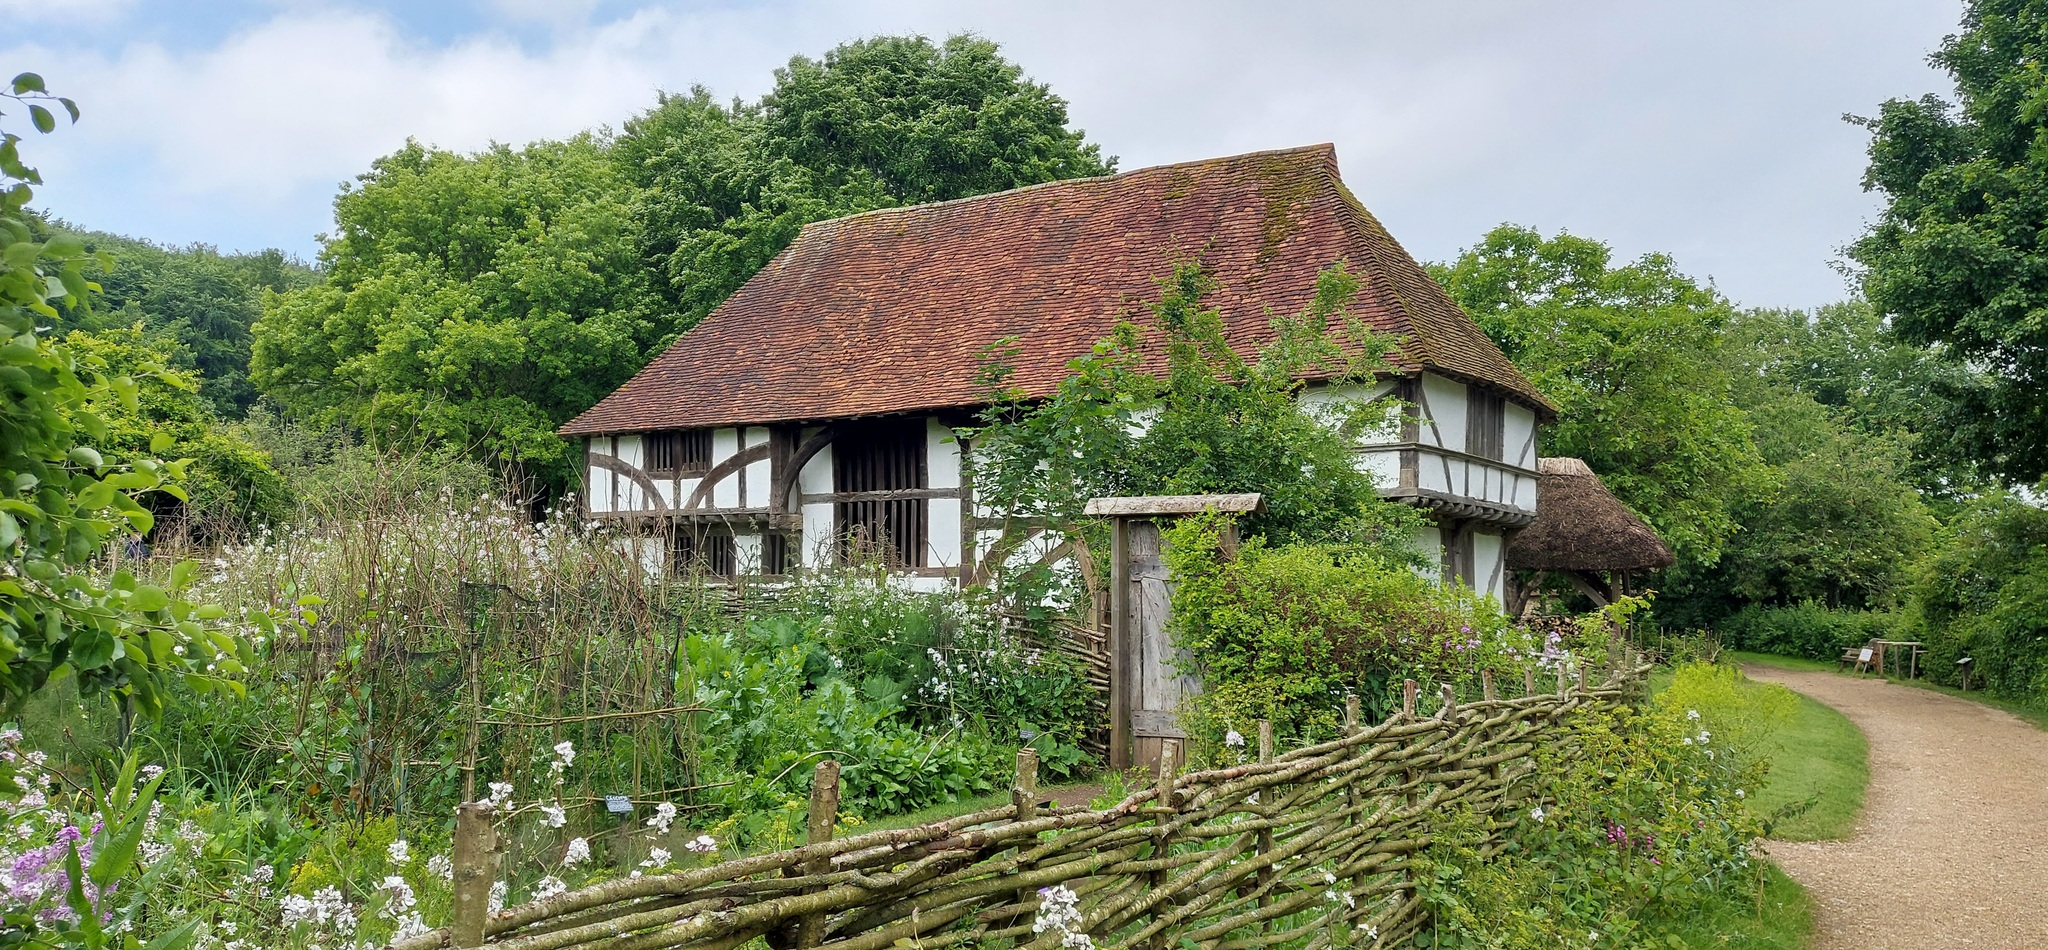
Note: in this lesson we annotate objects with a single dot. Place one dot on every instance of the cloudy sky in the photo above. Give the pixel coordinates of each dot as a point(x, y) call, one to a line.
point(1710, 131)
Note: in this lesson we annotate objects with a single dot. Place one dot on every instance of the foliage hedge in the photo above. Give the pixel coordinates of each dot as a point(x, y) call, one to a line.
point(1983, 593)
point(1809, 630)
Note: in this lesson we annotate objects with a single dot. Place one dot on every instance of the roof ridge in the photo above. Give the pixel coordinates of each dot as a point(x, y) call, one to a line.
point(1329, 147)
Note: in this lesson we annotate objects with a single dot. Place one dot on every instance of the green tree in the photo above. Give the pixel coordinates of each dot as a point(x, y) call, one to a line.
point(229, 481)
point(1215, 421)
point(1632, 356)
point(1956, 259)
point(63, 612)
point(475, 300)
point(874, 123)
point(204, 299)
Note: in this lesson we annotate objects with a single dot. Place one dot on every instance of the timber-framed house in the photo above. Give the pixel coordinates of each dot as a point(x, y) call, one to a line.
point(811, 418)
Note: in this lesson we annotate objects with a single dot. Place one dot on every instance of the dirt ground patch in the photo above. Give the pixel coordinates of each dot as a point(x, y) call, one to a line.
point(1952, 847)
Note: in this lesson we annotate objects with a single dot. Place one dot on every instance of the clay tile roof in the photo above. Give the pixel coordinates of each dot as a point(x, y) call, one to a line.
point(890, 311)
point(1581, 526)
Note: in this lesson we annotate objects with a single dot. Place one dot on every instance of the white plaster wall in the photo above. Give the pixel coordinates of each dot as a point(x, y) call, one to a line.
point(942, 515)
point(746, 553)
point(1488, 574)
point(757, 472)
point(1518, 441)
point(1446, 401)
point(1430, 542)
point(725, 443)
point(599, 481)
point(631, 497)
point(1328, 403)
point(816, 479)
point(1383, 466)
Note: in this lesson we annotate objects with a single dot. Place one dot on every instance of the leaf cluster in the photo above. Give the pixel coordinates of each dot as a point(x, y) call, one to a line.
point(1955, 259)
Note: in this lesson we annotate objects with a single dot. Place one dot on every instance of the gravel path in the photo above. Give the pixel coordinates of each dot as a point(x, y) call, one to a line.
point(1952, 847)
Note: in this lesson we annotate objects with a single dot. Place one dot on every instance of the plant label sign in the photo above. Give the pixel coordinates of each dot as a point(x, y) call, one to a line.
point(1863, 657)
point(618, 804)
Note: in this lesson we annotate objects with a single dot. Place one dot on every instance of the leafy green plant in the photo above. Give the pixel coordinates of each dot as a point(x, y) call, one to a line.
point(61, 501)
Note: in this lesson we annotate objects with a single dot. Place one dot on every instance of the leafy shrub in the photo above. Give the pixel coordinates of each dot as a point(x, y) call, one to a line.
point(1808, 630)
point(1632, 829)
point(1984, 594)
point(1286, 632)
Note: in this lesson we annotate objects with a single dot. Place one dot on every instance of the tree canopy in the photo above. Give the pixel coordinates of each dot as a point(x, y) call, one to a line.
point(873, 123)
point(483, 300)
point(1633, 357)
point(1955, 258)
point(478, 301)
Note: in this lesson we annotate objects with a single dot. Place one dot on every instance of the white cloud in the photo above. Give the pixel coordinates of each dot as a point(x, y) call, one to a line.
point(97, 12)
point(1711, 132)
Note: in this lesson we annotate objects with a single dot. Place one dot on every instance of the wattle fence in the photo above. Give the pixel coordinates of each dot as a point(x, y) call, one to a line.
point(1312, 848)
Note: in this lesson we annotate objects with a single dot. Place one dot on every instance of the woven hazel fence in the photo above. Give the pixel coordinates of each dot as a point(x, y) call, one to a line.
point(1310, 849)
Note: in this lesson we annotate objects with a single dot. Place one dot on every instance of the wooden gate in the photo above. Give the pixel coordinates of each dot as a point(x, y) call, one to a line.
point(1149, 676)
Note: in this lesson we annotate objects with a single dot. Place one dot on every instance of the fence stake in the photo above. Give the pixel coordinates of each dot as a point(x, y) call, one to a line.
point(1351, 715)
point(1486, 686)
point(1560, 681)
point(1408, 698)
point(1164, 830)
point(1528, 681)
point(475, 845)
point(1024, 794)
point(1265, 875)
point(1450, 707)
point(1582, 678)
point(824, 811)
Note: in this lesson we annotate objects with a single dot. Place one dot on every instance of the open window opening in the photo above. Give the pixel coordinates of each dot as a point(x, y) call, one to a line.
point(679, 453)
point(870, 464)
point(701, 550)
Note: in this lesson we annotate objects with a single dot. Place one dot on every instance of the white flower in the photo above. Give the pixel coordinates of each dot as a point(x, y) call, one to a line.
point(1704, 736)
point(565, 753)
point(549, 886)
point(664, 816)
point(1693, 715)
point(498, 891)
point(150, 772)
point(702, 844)
point(1059, 908)
point(439, 866)
point(656, 858)
point(401, 896)
point(1537, 813)
point(579, 852)
point(1740, 794)
point(501, 795)
point(554, 815)
point(1233, 738)
point(399, 852)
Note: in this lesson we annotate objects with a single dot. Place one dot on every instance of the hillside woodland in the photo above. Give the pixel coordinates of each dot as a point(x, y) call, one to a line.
point(294, 562)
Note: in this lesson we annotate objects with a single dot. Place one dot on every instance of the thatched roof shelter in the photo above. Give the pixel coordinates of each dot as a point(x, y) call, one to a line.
point(1581, 526)
point(1583, 534)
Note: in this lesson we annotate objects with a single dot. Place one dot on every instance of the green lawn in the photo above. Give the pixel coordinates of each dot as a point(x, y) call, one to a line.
point(1779, 918)
point(1819, 765)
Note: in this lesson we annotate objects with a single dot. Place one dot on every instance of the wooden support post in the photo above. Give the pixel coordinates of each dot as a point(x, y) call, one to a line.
point(1351, 715)
point(1486, 691)
point(1528, 681)
point(1561, 681)
point(824, 812)
point(476, 845)
point(1024, 798)
point(1408, 698)
point(1024, 794)
point(1449, 710)
point(1582, 678)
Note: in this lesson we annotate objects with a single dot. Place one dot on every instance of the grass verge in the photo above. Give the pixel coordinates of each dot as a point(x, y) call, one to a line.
point(1820, 766)
point(1779, 918)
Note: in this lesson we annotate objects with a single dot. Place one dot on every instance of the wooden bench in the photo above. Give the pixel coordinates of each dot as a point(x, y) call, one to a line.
point(1865, 658)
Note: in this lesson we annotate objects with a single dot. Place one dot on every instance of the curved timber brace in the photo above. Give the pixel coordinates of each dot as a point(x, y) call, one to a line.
point(785, 481)
point(612, 463)
point(702, 496)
